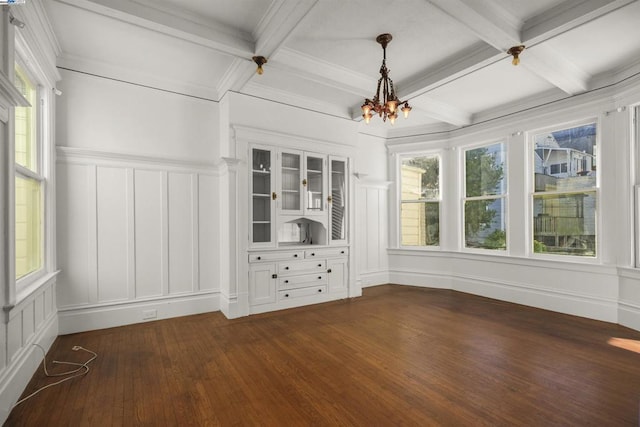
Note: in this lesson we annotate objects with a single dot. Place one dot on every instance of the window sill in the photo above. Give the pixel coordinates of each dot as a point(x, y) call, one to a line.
point(26, 290)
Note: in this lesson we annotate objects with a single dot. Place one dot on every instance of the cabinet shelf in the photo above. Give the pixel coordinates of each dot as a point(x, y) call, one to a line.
point(290, 191)
point(261, 222)
point(314, 171)
point(261, 195)
point(261, 172)
point(288, 168)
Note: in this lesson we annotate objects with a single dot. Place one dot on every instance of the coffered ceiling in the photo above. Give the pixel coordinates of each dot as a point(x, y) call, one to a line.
point(448, 57)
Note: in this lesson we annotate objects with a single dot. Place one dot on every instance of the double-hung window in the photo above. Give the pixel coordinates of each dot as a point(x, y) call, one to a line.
point(29, 181)
point(565, 197)
point(485, 197)
point(420, 201)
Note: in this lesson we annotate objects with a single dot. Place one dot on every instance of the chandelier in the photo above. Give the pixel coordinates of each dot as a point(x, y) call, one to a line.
point(386, 104)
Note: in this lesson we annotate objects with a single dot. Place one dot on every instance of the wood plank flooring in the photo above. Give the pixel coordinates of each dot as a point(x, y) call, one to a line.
point(396, 356)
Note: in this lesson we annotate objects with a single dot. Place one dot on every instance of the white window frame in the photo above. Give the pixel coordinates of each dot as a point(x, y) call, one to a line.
point(504, 196)
point(532, 193)
point(27, 284)
point(404, 156)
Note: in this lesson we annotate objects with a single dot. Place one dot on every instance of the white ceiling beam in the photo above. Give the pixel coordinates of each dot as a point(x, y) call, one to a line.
point(441, 111)
point(314, 69)
point(277, 25)
point(194, 29)
point(501, 32)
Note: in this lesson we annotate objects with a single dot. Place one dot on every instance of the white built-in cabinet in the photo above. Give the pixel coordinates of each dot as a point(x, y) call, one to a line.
point(298, 249)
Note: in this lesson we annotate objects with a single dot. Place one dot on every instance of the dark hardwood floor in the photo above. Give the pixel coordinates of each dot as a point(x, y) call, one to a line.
point(396, 356)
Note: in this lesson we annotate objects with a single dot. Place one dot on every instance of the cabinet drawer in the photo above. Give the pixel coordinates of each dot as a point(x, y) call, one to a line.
point(326, 252)
point(302, 281)
point(302, 292)
point(297, 267)
point(275, 256)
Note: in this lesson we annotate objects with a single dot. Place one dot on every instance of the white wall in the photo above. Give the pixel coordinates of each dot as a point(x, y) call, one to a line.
point(137, 204)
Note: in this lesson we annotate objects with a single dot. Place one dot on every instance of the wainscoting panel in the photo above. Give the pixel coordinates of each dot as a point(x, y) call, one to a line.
point(74, 211)
point(112, 223)
point(137, 239)
point(372, 232)
point(148, 233)
point(181, 233)
point(208, 218)
point(32, 321)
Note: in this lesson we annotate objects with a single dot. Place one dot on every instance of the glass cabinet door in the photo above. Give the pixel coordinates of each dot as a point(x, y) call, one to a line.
point(262, 196)
point(338, 198)
point(291, 182)
point(314, 184)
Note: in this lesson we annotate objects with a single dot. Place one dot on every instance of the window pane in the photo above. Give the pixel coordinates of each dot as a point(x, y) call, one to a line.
point(484, 223)
point(484, 171)
point(25, 124)
point(421, 178)
point(28, 226)
point(565, 224)
point(420, 224)
point(565, 160)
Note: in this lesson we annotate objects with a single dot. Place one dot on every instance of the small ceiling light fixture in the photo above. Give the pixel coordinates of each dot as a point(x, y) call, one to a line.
point(385, 104)
point(260, 61)
point(15, 21)
point(515, 51)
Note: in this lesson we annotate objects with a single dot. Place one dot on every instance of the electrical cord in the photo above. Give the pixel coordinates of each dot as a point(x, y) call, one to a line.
point(83, 369)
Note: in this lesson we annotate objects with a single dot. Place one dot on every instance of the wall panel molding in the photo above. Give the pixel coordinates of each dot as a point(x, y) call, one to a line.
point(85, 156)
point(143, 238)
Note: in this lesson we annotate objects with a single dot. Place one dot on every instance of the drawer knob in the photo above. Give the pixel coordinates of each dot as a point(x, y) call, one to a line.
point(274, 276)
point(313, 254)
point(320, 277)
point(319, 290)
point(319, 265)
point(286, 295)
point(258, 258)
point(295, 255)
point(286, 281)
point(286, 268)
point(329, 271)
point(341, 252)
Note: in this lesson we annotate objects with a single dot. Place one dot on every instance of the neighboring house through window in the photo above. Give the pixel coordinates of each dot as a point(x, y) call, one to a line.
point(565, 198)
point(420, 201)
point(29, 181)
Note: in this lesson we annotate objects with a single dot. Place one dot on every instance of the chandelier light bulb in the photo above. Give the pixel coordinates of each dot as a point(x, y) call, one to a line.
point(406, 110)
point(392, 104)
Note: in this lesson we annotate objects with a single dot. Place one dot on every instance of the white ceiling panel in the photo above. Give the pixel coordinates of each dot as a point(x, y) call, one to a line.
point(495, 85)
point(589, 48)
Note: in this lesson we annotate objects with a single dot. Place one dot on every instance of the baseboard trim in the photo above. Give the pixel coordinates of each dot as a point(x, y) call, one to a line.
point(373, 278)
point(88, 319)
point(17, 374)
point(548, 299)
point(421, 279)
point(629, 315)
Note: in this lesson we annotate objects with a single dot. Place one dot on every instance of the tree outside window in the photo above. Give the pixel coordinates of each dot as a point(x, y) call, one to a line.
point(420, 201)
point(485, 198)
